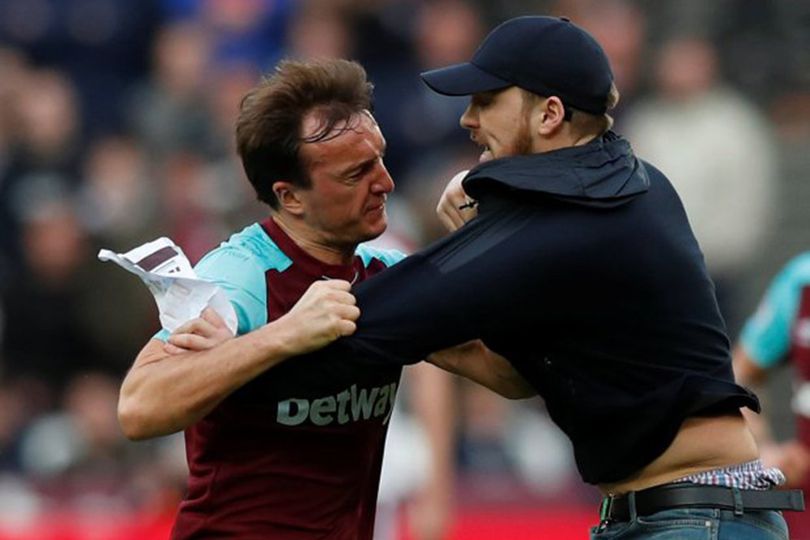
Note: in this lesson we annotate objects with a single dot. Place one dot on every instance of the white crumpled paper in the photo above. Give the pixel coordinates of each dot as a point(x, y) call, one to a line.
point(179, 293)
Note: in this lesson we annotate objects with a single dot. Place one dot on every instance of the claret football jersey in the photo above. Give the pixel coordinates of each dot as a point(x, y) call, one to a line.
point(295, 453)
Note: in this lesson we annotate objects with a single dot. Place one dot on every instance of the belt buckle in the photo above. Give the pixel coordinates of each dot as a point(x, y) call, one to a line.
point(605, 511)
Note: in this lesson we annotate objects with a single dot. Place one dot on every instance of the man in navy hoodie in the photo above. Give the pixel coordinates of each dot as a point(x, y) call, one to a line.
point(574, 260)
point(578, 265)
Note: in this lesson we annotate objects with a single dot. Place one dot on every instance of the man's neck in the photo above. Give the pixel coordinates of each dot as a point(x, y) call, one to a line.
point(313, 243)
point(549, 145)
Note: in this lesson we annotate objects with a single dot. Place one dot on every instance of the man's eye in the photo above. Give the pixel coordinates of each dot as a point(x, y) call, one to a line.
point(483, 100)
point(356, 175)
point(363, 170)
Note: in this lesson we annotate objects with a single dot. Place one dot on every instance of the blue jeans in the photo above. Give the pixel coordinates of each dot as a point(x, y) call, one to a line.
point(697, 524)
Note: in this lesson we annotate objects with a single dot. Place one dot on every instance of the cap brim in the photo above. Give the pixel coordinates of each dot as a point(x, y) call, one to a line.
point(462, 80)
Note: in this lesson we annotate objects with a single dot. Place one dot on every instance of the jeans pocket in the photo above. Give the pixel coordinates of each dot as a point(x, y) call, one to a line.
point(679, 524)
point(676, 524)
point(768, 522)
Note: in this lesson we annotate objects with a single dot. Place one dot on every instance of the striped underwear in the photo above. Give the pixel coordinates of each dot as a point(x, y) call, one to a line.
point(749, 475)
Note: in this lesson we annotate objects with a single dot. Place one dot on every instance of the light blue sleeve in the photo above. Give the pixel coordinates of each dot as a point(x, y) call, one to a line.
point(389, 257)
point(766, 335)
point(238, 273)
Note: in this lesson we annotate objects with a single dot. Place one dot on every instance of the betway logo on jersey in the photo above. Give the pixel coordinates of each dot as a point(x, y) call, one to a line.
point(350, 405)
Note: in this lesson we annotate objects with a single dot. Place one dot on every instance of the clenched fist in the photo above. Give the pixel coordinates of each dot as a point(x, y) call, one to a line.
point(455, 208)
point(324, 313)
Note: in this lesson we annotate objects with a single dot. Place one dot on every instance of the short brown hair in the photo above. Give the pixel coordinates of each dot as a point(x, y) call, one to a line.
point(584, 123)
point(268, 129)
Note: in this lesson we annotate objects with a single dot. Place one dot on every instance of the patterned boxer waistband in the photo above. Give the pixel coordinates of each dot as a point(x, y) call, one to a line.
point(749, 475)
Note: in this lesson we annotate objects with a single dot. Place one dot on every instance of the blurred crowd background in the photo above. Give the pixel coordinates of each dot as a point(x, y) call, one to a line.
point(116, 124)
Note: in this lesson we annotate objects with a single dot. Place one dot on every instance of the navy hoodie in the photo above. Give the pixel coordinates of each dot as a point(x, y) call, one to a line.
point(582, 270)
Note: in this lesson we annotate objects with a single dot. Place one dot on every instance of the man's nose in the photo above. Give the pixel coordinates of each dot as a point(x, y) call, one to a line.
point(383, 183)
point(469, 120)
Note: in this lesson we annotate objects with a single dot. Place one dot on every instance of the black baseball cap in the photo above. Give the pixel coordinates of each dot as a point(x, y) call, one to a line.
point(549, 56)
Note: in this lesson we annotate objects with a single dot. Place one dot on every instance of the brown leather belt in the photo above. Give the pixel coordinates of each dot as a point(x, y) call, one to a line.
point(656, 499)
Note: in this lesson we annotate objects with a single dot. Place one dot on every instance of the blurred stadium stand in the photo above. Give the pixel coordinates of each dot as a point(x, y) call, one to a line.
point(115, 127)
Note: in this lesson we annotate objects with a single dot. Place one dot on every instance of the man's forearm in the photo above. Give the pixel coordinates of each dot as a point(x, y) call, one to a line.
point(164, 393)
point(475, 362)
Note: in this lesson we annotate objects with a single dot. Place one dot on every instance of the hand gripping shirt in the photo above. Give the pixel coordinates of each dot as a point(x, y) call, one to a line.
point(295, 453)
point(582, 270)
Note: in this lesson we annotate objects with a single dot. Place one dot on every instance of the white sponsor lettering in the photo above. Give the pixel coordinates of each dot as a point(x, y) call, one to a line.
point(286, 415)
point(319, 412)
point(362, 403)
point(343, 399)
point(350, 405)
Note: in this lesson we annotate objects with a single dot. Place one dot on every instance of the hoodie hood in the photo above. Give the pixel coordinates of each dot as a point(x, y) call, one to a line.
point(603, 173)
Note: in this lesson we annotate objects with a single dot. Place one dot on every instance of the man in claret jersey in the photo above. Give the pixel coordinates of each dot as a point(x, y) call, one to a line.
point(295, 451)
point(778, 333)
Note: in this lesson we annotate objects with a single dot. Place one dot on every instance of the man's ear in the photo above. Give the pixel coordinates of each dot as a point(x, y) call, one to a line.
point(552, 116)
point(288, 196)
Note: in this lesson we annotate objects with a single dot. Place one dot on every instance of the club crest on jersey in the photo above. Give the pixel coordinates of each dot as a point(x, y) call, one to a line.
point(350, 405)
